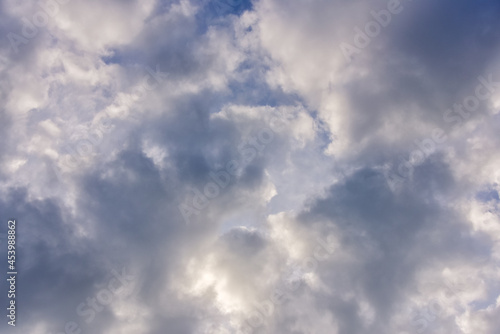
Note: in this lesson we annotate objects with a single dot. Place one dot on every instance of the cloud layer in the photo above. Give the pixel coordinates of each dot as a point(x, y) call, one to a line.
point(270, 166)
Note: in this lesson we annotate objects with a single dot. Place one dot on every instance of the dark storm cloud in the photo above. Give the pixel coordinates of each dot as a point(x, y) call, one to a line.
point(407, 232)
point(60, 268)
point(432, 56)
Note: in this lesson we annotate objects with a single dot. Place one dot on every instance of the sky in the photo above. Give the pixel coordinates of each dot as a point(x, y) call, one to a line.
point(251, 166)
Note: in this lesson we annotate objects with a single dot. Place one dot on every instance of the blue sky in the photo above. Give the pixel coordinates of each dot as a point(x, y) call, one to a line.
point(236, 167)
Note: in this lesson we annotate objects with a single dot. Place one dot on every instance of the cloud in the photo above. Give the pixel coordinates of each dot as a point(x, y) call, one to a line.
point(242, 175)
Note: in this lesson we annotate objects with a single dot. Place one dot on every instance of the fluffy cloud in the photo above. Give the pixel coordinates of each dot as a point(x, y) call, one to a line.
point(228, 167)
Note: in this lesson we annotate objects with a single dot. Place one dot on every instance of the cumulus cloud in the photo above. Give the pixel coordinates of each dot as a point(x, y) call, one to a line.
point(268, 166)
